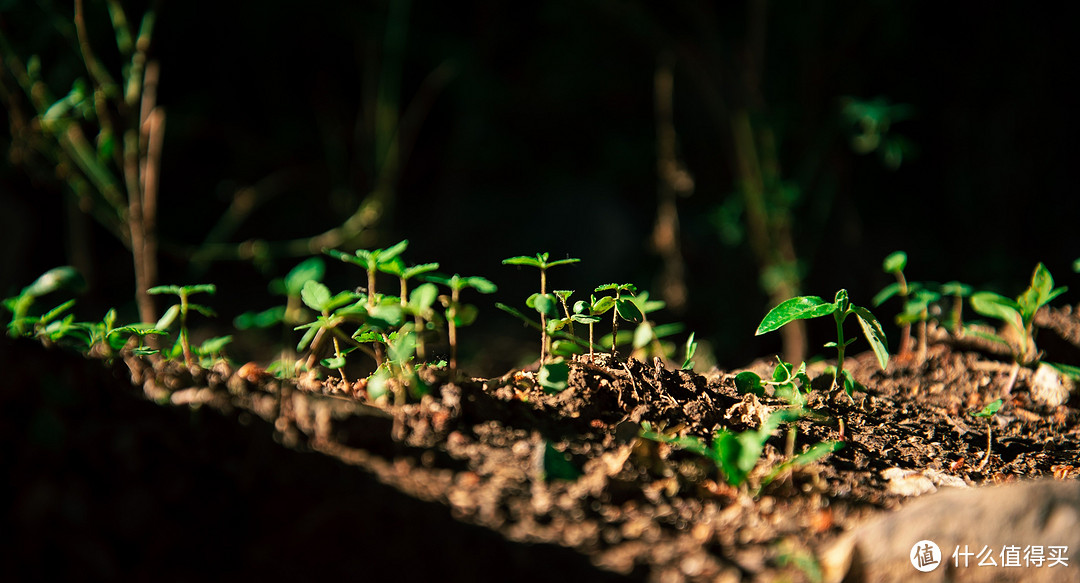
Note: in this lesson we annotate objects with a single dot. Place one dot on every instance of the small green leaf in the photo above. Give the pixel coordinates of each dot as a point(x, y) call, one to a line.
point(168, 317)
point(797, 308)
point(874, 334)
point(628, 310)
point(643, 335)
point(480, 284)
point(545, 304)
point(522, 260)
point(691, 348)
point(391, 252)
point(422, 298)
point(65, 277)
point(465, 315)
point(887, 292)
point(992, 305)
point(895, 262)
point(164, 289)
point(554, 376)
point(989, 410)
point(749, 382)
point(316, 296)
point(311, 269)
point(603, 305)
point(213, 345)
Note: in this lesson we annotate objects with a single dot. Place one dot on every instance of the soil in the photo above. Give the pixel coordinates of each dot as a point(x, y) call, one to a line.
point(138, 470)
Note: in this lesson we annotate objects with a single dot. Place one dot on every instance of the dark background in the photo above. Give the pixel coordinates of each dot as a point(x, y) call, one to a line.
point(543, 139)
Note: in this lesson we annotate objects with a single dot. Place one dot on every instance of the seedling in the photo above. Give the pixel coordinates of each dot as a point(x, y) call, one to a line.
point(458, 314)
point(691, 348)
point(736, 454)
point(590, 312)
point(625, 308)
point(396, 267)
point(543, 302)
point(646, 338)
point(397, 372)
point(290, 286)
point(789, 383)
point(333, 310)
point(987, 413)
point(806, 307)
point(108, 338)
point(1019, 314)
point(895, 264)
point(958, 291)
point(53, 280)
point(372, 262)
point(181, 310)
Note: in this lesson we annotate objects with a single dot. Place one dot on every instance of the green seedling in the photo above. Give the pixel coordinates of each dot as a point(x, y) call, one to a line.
point(589, 313)
point(181, 309)
point(543, 302)
point(625, 308)
point(558, 465)
point(894, 264)
point(58, 278)
point(806, 307)
point(1019, 314)
point(106, 338)
point(458, 314)
point(917, 310)
point(290, 286)
point(691, 348)
point(735, 455)
point(987, 413)
point(372, 261)
point(789, 383)
point(958, 292)
point(647, 337)
point(396, 267)
point(333, 310)
point(397, 373)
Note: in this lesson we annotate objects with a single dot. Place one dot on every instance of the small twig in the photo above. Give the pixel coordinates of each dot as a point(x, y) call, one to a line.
point(989, 438)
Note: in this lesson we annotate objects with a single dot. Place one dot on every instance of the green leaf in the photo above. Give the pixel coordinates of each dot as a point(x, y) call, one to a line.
point(566, 348)
point(168, 317)
point(670, 329)
point(311, 269)
point(563, 262)
point(213, 345)
point(164, 289)
point(992, 305)
point(811, 455)
point(202, 310)
point(466, 315)
point(886, 292)
point(895, 262)
point(522, 260)
point(347, 258)
point(57, 278)
point(1068, 370)
point(391, 252)
point(208, 288)
point(797, 308)
point(403, 348)
point(545, 304)
point(628, 310)
point(316, 296)
point(874, 334)
point(554, 376)
point(603, 305)
point(557, 465)
point(586, 319)
point(422, 298)
point(955, 288)
point(263, 319)
point(384, 317)
point(749, 382)
point(480, 284)
point(989, 410)
point(691, 348)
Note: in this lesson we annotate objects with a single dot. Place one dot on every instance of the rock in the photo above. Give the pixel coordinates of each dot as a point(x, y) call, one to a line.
point(1050, 387)
point(1008, 521)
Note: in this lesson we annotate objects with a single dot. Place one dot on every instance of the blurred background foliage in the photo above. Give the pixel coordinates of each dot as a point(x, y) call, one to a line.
point(722, 154)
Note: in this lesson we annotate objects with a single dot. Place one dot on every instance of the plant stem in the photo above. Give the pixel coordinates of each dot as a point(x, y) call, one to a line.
point(337, 354)
point(183, 328)
point(989, 437)
point(452, 327)
point(615, 325)
point(591, 359)
point(543, 319)
point(839, 348)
